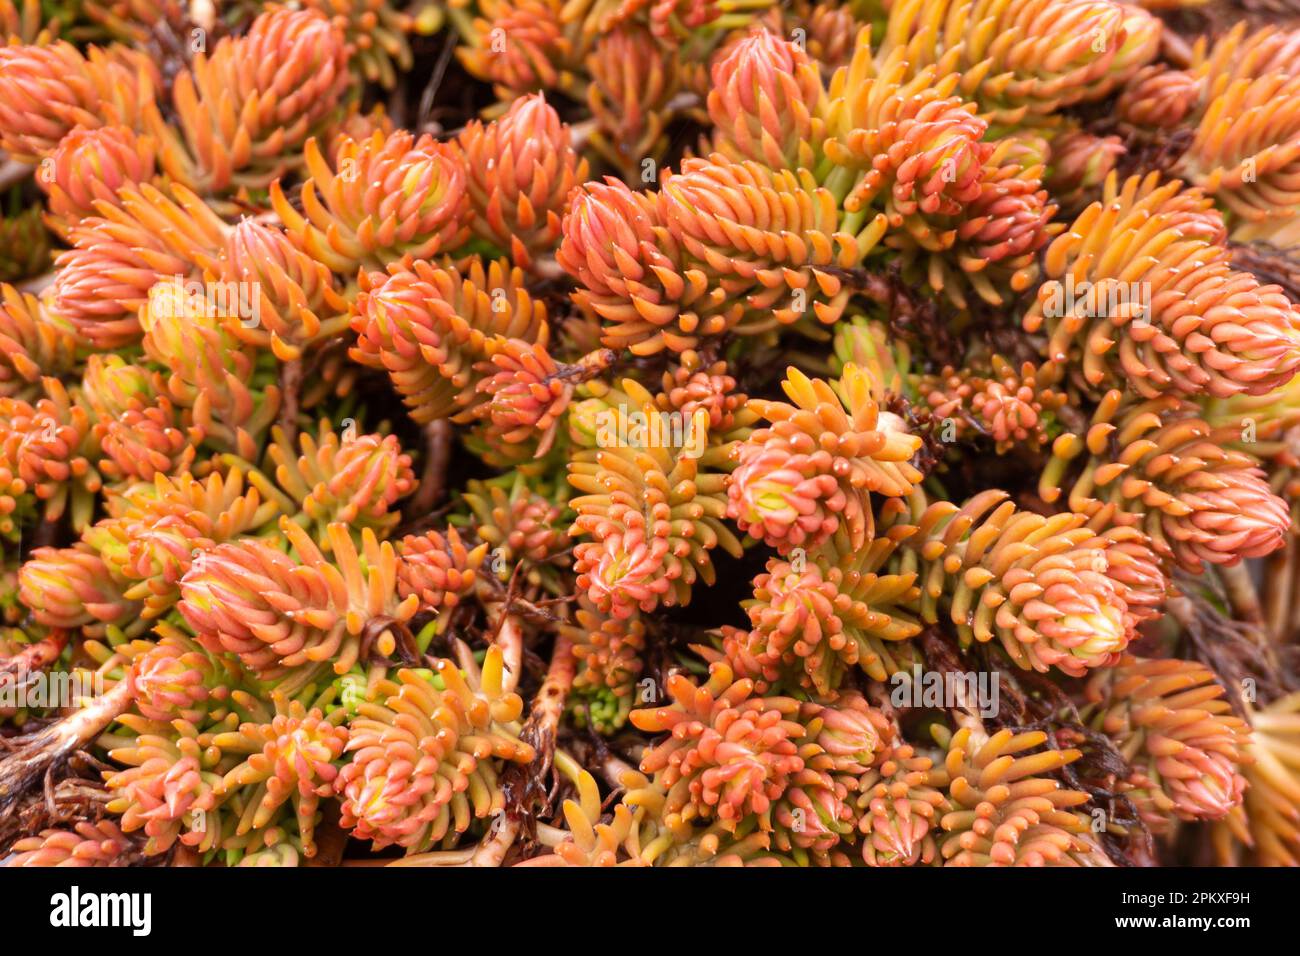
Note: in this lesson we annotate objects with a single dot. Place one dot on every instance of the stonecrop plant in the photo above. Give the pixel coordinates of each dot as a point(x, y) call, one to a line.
point(592, 433)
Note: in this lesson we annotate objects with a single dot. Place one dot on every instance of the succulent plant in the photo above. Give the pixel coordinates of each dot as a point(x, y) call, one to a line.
point(521, 46)
point(49, 90)
point(1074, 52)
point(88, 167)
point(813, 618)
point(140, 433)
point(523, 524)
point(1158, 466)
point(24, 247)
point(430, 328)
point(289, 759)
point(521, 169)
point(1180, 737)
point(375, 32)
point(608, 652)
point(425, 762)
point(391, 196)
point(1118, 315)
point(175, 679)
point(294, 306)
point(169, 787)
point(1244, 152)
point(906, 145)
point(74, 588)
point(728, 754)
point(1005, 810)
point(1004, 404)
point(323, 613)
point(769, 234)
point(812, 471)
point(653, 506)
point(766, 103)
point(247, 109)
point(633, 78)
point(618, 433)
point(153, 238)
point(201, 365)
point(50, 447)
point(351, 479)
point(33, 343)
point(1267, 820)
point(20, 19)
point(85, 844)
point(437, 569)
point(900, 808)
point(159, 529)
point(634, 276)
point(1051, 590)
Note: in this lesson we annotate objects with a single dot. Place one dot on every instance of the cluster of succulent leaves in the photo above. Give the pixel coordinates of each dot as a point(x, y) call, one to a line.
point(374, 456)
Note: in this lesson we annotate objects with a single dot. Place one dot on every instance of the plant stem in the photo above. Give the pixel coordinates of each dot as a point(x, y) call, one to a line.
point(1241, 593)
point(1277, 589)
point(493, 850)
point(433, 483)
point(290, 388)
point(34, 657)
point(612, 769)
point(331, 840)
point(550, 836)
point(510, 638)
point(24, 768)
point(436, 858)
point(548, 705)
point(966, 712)
point(541, 728)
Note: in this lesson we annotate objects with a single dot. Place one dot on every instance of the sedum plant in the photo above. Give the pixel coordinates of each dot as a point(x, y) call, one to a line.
point(661, 434)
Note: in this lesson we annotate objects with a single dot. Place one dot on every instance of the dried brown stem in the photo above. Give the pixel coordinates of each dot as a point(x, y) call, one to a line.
point(540, 730)
point(548, 705)
point(433, 483)
point(290, 390)
point(331, 839)
point(26, 766)
point(590, 366)
point(1233, 650)
point(183, 855)
point(72, 799)
point(1241, 593)
point(940, 655)
point(1278, 579)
